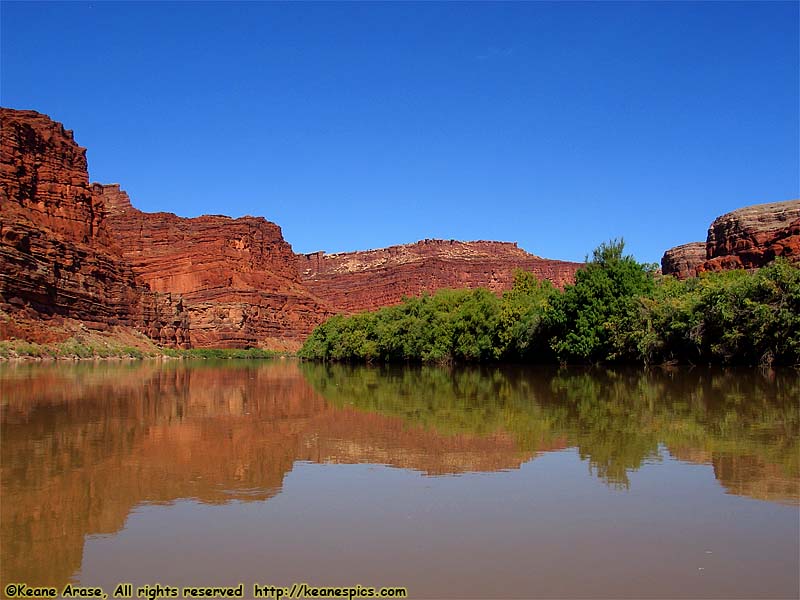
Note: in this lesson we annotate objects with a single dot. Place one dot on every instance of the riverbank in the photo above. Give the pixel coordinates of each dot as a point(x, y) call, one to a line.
point(63, 338)
point(109, 349)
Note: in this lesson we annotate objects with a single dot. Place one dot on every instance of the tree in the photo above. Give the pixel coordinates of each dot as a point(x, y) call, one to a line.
point(605, 292)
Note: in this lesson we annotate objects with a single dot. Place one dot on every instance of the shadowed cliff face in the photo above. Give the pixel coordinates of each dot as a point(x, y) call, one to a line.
point(358, 281)
point(85, 445)
point(747, 238)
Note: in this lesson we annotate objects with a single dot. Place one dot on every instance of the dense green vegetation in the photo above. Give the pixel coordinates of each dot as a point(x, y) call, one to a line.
point(618, 310)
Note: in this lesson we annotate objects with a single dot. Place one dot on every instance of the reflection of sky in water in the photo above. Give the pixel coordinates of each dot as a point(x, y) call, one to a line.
point(453, 483)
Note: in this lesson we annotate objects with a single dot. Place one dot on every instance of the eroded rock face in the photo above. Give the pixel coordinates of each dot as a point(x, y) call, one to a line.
point(73, 250)
point(237, 277)
point(57, 257)
point(753, 236)
point(747, 238)
point(682, 261)
point(357, 281)
point(55, 254)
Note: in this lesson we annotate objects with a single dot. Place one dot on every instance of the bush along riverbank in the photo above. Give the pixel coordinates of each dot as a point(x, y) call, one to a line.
point(618, 310)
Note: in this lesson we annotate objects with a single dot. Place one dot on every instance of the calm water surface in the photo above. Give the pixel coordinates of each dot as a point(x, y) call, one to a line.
point(481, 483)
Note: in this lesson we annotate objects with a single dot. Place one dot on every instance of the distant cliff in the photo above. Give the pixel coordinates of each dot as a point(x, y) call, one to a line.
point(357, 281)
point(747, 238)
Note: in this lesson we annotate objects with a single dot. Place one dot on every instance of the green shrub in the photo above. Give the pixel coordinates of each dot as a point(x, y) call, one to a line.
point(617, 311)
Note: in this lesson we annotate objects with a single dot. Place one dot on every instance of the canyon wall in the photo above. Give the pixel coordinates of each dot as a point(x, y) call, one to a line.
point(357, 281)
point(747, 238)
point(74, 250)
point(55, 255)
point(237, 278)
point(71, 250)
point(57, 258)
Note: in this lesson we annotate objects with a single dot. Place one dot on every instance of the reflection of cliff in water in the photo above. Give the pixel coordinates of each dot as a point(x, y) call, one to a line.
point(745, 424)
point(84, 444)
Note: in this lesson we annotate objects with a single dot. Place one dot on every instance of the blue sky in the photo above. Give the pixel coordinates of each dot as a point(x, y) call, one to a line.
point(361, 125)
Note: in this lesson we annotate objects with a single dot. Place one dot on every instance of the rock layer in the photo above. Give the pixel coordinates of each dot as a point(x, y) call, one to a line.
point(72, 250)
point(753, 236)
point(57, 258)
point(54, 251)
point(682, 261)
point(237, 277)
point(357, 281)
point(747, 238)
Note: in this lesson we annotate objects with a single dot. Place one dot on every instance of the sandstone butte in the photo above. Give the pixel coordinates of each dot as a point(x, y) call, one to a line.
point(747, 238)
point(71, 250)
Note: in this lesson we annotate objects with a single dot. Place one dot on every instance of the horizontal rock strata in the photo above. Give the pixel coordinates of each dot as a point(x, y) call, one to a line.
point(682, 261)
point(753, 236)
point(57, 258)
point(747, 238)
point(74, 250)
point(357, 281)
point(237, 277)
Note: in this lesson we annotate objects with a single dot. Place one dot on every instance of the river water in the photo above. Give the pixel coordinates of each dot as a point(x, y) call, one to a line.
point(454, 483)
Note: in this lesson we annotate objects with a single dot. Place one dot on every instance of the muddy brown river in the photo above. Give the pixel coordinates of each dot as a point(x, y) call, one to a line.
point(453, 483)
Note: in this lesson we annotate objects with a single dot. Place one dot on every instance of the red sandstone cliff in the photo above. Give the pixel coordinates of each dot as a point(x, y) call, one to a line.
point(753, 236)
point(237, 277)
point(747, 238)
point(57, 258)
point(55, 254)
point(357, 281)
point(69, 249)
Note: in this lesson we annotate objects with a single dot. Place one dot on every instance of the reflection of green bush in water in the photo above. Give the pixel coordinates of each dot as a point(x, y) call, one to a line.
point(616, 419)
point(458, 401)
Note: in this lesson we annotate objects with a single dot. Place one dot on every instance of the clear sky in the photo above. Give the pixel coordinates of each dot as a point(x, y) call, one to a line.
point(361, 125)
